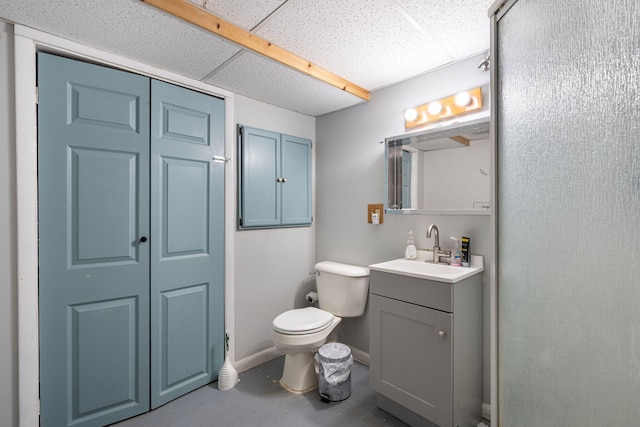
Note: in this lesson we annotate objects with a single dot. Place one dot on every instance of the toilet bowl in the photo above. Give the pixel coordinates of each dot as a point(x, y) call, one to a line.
point(299, 333)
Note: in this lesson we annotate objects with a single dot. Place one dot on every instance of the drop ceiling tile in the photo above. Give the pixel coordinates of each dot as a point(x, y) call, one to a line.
point(127, 28)
point(373, 43)
point(369, 42)
point(246, 14)
point(459, 26)
point(254, 76)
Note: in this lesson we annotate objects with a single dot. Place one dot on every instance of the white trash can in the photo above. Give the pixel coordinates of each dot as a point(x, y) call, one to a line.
point(334, 371)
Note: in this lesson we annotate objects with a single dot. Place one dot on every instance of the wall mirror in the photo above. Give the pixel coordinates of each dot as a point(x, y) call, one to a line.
point(441, 170)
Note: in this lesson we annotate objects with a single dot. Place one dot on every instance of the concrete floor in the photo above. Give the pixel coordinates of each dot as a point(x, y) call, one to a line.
point(258, 400)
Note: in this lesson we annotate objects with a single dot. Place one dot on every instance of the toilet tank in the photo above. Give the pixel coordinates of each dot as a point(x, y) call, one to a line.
point(342, 288)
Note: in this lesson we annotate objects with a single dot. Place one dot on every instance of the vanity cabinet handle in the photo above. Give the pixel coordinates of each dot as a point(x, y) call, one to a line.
point(442, 334)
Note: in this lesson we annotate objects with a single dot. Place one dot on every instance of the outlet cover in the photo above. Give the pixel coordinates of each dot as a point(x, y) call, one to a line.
point(377, 209)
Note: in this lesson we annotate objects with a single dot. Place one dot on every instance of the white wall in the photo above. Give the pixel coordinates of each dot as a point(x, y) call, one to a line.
point(8, 279)
point(271, 266)
point(350, 175)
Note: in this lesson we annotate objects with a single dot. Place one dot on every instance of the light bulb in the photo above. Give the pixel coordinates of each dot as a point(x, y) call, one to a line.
point(463, 99)
point(411, 115)
point(435, 108)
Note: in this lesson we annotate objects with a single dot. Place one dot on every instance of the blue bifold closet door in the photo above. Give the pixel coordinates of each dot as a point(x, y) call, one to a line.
point(99, 203)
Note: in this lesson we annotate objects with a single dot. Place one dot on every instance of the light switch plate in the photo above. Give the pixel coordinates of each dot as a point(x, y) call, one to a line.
point(376, 208)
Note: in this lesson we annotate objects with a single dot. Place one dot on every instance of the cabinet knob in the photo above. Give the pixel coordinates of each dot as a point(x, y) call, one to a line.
point(442, 334)
point(284, 179)
point(143, 239)
point(279, 179)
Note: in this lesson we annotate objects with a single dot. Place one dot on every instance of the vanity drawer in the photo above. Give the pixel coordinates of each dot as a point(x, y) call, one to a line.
point(426, 293)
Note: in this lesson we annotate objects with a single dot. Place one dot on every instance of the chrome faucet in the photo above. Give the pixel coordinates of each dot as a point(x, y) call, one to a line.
point(437, 253)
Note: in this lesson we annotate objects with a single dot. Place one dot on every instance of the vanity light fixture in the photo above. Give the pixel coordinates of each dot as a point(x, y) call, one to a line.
point(444, 108)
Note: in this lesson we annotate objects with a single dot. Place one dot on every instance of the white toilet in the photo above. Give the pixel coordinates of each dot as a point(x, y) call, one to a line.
point(299, 333)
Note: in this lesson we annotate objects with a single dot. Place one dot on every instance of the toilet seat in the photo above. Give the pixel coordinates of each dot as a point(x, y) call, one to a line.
point(302, 321)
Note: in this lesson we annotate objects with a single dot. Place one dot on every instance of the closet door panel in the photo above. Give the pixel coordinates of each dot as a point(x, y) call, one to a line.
point(186, 213)
point(93, 166)
point(187, 203)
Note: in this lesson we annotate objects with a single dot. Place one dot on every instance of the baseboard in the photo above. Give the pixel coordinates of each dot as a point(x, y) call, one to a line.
point(360, 355)
point(257, 359)
point(486, 411)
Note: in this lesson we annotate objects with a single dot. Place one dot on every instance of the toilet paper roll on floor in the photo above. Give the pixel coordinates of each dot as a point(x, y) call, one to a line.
point(312, 297)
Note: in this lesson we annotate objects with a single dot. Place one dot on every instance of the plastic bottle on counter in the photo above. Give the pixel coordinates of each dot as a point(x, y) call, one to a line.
point(456, 255)
point(410, 252)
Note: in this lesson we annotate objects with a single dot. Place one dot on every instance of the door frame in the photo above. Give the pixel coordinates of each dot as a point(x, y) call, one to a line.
point(27, 42)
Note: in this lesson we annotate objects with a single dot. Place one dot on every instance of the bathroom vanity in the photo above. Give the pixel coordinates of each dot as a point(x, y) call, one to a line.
point(426, 341)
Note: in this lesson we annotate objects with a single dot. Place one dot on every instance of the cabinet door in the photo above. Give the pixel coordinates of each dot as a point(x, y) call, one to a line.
point(410, 360)
point(296, 180)
point(259, 173)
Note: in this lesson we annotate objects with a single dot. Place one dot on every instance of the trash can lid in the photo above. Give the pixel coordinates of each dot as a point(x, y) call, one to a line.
point(334, 352)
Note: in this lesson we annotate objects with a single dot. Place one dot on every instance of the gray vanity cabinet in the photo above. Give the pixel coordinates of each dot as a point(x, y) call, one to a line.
point(426, 349)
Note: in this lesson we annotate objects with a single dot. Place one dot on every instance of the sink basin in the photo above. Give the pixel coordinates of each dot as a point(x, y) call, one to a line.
point(425, 270)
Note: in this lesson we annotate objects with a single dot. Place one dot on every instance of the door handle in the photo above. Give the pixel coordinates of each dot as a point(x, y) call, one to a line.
point(143, 239)
point(221, 159)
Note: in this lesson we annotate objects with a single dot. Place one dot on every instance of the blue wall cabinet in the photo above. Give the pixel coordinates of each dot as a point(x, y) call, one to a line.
point(130, 242)
point(274, 179)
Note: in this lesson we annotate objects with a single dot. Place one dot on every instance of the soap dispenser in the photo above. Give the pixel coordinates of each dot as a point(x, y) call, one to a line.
point(410, 252)
point(456, 255)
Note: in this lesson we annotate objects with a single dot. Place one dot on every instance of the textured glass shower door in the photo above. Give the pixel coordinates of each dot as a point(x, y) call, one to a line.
point(568, 205)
